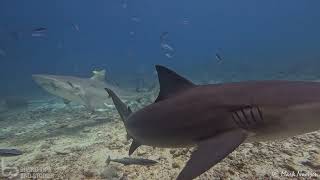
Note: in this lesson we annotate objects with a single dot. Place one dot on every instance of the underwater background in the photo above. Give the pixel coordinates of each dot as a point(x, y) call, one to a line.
point(257, 40)
point(208, 41)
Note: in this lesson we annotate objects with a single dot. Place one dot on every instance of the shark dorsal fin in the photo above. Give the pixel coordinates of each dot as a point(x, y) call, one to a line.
point(99, 75)
point(170, 83)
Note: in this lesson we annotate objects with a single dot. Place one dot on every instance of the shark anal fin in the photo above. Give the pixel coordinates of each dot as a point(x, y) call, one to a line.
point(170, 83)
point(210, 152)
point(133, 147)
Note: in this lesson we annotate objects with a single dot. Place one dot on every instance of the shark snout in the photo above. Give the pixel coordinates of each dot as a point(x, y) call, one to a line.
point(45, 81)
point(39, 78)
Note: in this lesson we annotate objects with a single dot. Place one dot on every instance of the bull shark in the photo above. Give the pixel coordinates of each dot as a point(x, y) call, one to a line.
point(86, 91)
point(218, 118)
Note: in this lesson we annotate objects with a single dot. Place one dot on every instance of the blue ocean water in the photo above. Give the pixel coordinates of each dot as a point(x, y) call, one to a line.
point(256, 39)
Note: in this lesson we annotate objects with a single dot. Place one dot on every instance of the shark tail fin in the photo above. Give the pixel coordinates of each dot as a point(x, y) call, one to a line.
point(123, 110)
point(99, 75)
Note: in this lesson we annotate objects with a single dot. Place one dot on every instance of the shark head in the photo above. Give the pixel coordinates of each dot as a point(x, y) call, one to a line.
point(62, 86)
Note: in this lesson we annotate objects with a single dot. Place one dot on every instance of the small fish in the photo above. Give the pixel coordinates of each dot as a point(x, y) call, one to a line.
point(219, 58)
point(167, 47)
point(135, 19)
point(185, 22)
point(76, 27)
point(132, 161)
point(10, 152)
point(40, 30)
point(163, 36)
point(38, 34)
point(168, 55)
point(124, 4)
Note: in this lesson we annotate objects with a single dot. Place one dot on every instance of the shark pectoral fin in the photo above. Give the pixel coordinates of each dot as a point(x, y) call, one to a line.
point(210, 152)
point(133, 147)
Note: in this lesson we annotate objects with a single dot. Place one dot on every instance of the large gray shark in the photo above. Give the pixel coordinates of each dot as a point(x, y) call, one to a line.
point(86, 91)
point(218, 118)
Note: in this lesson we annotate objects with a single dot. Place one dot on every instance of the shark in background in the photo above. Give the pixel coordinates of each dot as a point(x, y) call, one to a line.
point(218, 118)
point(86, 91)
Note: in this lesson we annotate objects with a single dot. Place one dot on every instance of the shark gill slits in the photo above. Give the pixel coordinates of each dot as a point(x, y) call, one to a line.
point(241, 119)
point(247, 117)
point(235, 119)
point(256, 114)
point(252, 116)
point(260, 113)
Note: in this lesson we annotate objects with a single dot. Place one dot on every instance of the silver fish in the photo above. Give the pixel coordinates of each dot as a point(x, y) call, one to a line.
point(10, 152)
point(132, 161)
point(135, 19)
point(166, 47)
point(40, 30)
point(36, 34)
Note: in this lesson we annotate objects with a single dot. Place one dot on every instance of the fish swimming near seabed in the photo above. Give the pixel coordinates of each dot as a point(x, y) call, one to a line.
point(132, 161)
point(6, 152)
point(218, 118)
point(86, 91)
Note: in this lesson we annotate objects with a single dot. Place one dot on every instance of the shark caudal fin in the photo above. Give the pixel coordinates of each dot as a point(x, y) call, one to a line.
point(124, 112)
point(99, 75)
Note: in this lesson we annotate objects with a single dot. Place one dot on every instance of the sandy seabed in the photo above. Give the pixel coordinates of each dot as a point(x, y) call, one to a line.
point(68, 142)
